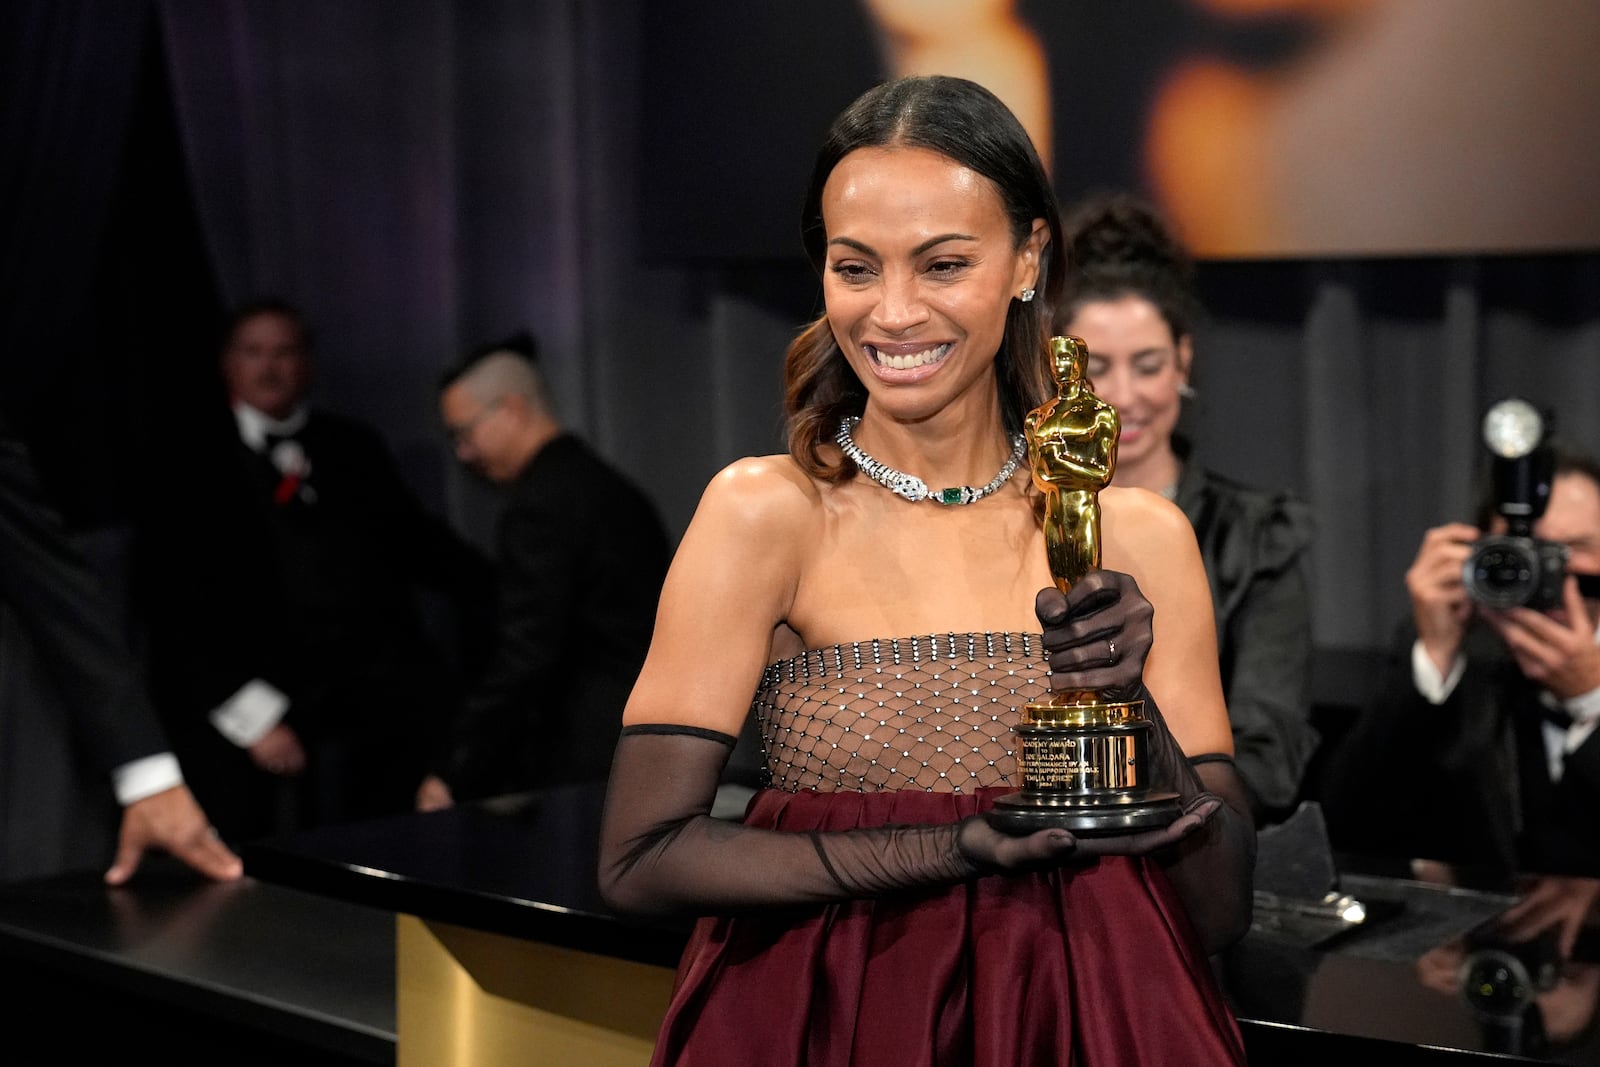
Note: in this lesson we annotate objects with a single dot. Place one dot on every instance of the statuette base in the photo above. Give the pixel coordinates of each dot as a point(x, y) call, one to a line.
point(1082, 766)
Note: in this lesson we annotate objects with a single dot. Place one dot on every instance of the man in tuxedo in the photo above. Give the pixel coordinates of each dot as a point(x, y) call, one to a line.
point(84, 722)
point(581, 553)
point(1481, 747)
point(285, 579)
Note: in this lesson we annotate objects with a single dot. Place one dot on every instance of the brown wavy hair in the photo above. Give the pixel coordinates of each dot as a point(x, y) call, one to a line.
point(968, 124)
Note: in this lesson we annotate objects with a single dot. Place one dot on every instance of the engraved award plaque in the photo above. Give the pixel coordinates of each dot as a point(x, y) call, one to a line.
point(1081, 756)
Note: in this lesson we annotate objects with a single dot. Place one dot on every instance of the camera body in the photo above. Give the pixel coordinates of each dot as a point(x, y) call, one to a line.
point(1515, 569)
point(1511, 571)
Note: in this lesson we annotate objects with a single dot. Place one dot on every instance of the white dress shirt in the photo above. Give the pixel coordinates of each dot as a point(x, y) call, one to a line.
point(1558, 740)
point(257, 706)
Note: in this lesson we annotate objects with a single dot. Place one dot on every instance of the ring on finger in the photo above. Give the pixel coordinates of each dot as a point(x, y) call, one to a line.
point(1111, 651)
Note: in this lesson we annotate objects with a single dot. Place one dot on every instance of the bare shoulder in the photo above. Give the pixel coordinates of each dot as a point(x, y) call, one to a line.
point(730, 587)
point(1141, 522)
point(749, 534)
point(758, 494)
point(1148, 536)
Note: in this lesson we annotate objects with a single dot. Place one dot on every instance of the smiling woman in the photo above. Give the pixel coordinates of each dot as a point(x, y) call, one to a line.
point(1132, 302)
point(923, 303)
point(890, 636)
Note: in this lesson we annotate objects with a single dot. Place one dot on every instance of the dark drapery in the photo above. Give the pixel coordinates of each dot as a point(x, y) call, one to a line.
point(108, 297)
point(421, 176)
point(106, 290)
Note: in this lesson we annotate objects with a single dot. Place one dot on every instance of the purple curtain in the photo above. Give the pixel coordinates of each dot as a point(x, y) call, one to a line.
point(67, 78)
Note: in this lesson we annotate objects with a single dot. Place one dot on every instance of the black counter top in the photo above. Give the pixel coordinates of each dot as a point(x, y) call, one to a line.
point(523, 866)
point(1302, 987)
point(268, 972)
point(1422, 973)
point(303, 945)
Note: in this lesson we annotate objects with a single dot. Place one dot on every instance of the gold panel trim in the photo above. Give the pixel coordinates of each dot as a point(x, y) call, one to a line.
point(466, 998)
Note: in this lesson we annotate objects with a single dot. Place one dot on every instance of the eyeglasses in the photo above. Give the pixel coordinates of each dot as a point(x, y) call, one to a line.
point(458, 434)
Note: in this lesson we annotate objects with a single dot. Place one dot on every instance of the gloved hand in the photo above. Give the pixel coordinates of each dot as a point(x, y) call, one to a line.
point(662, 853)
point(1098, 636)
point(994, 851)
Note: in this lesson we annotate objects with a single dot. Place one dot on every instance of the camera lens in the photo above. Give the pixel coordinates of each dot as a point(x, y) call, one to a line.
point(1514, 572)
point(1495, 982)
point(1501, 573)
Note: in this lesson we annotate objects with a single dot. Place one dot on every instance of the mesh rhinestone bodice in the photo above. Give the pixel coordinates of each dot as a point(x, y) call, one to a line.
point(934, 713)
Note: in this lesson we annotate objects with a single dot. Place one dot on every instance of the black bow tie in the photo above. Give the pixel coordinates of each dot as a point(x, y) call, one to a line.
point(1555, 716)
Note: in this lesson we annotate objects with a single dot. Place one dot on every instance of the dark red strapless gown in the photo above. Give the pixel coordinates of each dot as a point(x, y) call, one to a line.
point(1095, 965)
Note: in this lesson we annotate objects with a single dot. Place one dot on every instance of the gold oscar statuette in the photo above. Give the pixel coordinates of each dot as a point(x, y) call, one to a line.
point(1081, 756)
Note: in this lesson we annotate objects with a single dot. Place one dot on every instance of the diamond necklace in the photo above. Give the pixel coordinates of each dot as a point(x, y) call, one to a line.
point(913, 488)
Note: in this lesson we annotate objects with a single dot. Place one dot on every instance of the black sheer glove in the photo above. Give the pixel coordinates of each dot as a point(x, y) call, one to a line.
point(1213, 866)
point(1209, 851)
point(1167, 770)
point(1196, 812)
point(662, 853)
point(1098, 635)
point(1213, 869)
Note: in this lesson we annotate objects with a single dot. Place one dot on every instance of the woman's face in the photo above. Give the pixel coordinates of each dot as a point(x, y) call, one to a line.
point(921, 269)
point(1137, 366)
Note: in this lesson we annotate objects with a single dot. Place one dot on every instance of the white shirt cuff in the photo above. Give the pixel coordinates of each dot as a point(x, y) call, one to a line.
point(1436, 688)
point(245, 717)
point(1584, 708)
point(145, 777)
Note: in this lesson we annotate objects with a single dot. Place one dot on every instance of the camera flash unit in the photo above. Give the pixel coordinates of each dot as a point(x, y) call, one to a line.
point(1512, 428)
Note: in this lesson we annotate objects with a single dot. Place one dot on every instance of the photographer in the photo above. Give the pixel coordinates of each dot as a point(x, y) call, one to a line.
point(1480, 747)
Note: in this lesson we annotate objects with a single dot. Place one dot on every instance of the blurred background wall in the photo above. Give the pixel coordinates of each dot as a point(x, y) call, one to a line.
point(1394, 201)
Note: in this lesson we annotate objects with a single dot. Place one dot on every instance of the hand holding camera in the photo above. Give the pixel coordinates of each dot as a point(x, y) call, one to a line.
point(1440, 604)
point(1562, 905)
point(1460, 568)
point(1521, 579)
point(1556, 650)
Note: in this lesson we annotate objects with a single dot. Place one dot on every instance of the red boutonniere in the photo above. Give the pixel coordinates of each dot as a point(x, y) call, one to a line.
point(288, 486)
point(292, 464)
